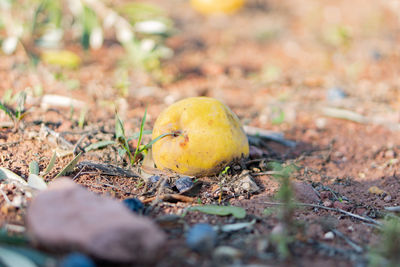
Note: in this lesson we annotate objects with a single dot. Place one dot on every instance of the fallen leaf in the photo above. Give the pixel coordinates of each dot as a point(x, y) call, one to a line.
point(236, 212)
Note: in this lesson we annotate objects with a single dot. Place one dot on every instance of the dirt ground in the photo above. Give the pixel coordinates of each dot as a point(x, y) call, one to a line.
point(285, 66)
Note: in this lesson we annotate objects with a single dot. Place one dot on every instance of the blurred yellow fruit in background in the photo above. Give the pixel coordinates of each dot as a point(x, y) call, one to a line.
point(208, 7)
point(62, 58)
point(208, 137)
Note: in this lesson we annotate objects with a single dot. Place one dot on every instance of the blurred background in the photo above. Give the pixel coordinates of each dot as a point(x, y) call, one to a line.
point(267, 59)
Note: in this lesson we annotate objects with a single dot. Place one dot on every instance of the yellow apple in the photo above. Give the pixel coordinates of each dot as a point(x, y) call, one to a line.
point(208, 7)
point(207, 137)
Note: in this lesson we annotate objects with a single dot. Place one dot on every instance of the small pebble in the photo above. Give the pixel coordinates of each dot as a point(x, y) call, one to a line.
point(320, 123)
point(326, 194)
point(237, 168)
point(390, 154)
point(201, 237)
point(335, 94)
point(342, 205)
point(154, 179)
point(184, 183)
point(329, 236)
point(278, 229)
point(388, 198)
point(133, 204)
point(376, 55)
point(77, 259)
point(328, 203)
point(226, 253)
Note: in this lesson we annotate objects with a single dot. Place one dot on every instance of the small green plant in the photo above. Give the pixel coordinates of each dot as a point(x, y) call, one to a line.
point(138, 149)
point(121, 138)
point(387, 253)
point(18, 113)
point(285, 237)
point(123, 141)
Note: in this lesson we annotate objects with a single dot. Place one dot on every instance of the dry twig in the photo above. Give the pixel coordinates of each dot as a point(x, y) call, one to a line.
point(171, 197)
point(365, 219)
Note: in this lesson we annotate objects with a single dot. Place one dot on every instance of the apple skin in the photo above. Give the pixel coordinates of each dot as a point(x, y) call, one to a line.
point(208, 137)
point(208, 7)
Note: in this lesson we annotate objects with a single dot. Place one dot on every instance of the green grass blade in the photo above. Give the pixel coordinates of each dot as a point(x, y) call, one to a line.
point(70, 166)
point(148, 145)
point(140, 136)
point(51, 163)
point(99, 145)
point(34, 167)
point(119, 128)
point(82, 118)
point(8, 111)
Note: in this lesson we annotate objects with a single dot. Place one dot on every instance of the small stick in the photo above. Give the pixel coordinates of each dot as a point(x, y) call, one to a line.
point(108, 169)
point(365, 219)
point(348, 241)
point(266, 173)
point(394, 209)
point(270, 135)
point(345, 114)
point(9, 143)
point(79, 173)
point(160, 184)
point(58, 137)
point(5, 197)
point(171, 196)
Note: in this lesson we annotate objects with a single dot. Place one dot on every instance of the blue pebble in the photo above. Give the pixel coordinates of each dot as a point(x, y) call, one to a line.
point(376, 55)
point(154, 179)
point(76, 259)
point(133, 204)
point(184, 183)
point(335, 93)
point(201, 237)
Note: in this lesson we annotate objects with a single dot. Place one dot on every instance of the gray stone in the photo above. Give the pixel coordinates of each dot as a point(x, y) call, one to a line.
point(305, 193)
point(66, 216)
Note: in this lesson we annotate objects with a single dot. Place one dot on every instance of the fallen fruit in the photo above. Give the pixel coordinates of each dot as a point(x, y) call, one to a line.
point(208, 7)
point(208, 136)
point(63, 58)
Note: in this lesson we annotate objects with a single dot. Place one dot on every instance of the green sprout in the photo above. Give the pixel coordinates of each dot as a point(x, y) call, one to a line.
point(18, 113)
point(285, 238)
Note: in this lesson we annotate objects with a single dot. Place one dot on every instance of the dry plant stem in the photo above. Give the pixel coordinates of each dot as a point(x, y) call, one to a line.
point(344, 114)
point(5, 197)
point(394, 209)
point(160, 184)
point(270, 135)
point(108, 169)
point(58, 137)
point(348, 241)
point(169, 196)
point(78, 144)
point(330, 250)
point(79, 173)
point(267, 173)
point(365, 219)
